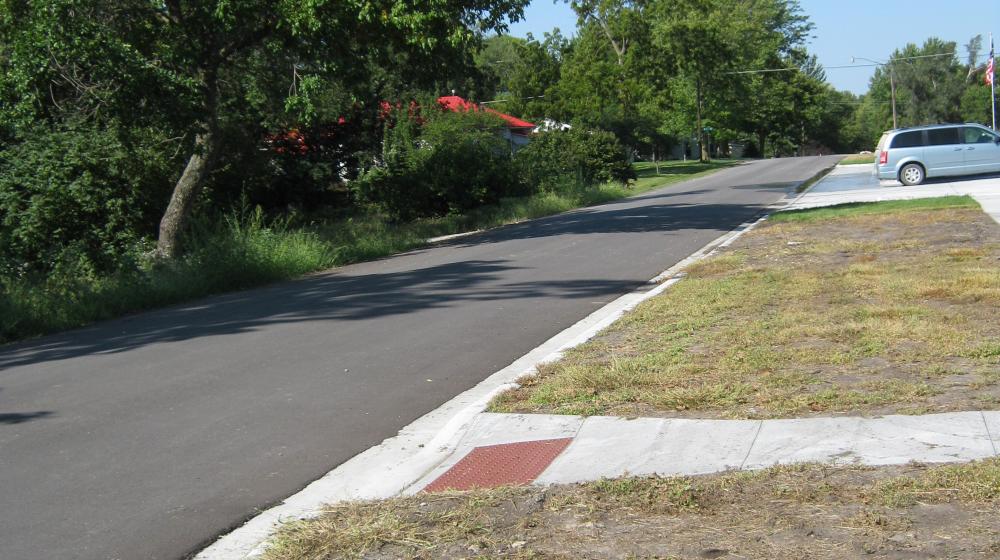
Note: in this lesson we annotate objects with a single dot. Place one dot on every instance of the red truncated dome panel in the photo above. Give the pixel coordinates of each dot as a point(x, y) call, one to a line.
point(499, 465)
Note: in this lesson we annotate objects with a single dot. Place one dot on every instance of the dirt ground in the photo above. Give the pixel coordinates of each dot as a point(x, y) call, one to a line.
point(796, 512)
point(868, 314)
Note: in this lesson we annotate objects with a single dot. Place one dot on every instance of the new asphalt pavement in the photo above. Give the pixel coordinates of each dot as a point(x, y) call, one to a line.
point(148, 436)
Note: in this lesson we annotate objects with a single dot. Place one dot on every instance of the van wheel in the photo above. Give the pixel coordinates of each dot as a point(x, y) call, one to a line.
point(911, 174)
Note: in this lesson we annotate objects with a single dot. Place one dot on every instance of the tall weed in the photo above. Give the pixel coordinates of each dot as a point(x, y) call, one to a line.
point(245, 249)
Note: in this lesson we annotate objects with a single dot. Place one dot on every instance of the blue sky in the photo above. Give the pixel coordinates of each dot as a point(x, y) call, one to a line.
point(843, 28)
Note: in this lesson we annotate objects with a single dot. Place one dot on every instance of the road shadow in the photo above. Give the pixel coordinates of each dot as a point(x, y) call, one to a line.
point(346, 296)
point(641, 214)
point(22, 417)
point(329, 296)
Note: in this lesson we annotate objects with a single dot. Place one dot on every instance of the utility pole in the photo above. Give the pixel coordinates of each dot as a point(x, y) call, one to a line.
point(892, 86)
point(892, 83)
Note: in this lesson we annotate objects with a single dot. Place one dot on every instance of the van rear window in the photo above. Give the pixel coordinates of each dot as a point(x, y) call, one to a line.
point(908, 139)
point(881, 142)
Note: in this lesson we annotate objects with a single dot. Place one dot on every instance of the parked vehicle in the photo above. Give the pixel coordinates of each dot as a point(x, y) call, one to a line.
point(916, 153)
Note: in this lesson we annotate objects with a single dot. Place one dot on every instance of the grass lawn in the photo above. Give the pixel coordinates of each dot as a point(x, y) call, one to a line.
point(858, 158)
point(248, 250)
point(674, 171)
point(802, 511)
point(861, 309)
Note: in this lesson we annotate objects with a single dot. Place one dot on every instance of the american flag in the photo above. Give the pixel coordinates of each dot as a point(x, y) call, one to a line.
point(989, 67)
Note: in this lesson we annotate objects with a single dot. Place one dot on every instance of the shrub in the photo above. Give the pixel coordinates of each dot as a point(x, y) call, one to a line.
point(450, 163)
point(556, 160)
point(69, 195)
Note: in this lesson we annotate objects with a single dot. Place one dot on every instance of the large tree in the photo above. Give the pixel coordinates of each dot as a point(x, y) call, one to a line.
point(190, 65)
point(710, 42)
point(929, 80)
point(609, 74)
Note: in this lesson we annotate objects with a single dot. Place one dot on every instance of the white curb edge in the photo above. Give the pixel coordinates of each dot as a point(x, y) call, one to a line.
point(389, 468)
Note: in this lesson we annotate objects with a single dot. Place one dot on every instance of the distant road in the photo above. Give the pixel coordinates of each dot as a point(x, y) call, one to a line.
point(147, 437)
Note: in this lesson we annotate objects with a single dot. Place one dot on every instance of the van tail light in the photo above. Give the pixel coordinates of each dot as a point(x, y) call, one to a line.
point(883, 157)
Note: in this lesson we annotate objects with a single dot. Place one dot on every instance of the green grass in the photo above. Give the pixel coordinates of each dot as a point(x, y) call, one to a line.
point(858, 159)
point(868, 208)
point(674, 171)
point(249, 250)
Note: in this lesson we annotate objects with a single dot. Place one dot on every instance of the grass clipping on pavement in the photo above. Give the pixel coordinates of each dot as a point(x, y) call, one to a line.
point(799, 511)
point(860, 309)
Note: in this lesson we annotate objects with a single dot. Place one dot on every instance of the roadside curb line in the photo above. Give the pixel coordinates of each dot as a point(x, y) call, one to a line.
point(393, 466)
point(459, 235)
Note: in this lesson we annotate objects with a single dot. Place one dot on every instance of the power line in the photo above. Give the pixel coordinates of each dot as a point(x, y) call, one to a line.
point(796, 69)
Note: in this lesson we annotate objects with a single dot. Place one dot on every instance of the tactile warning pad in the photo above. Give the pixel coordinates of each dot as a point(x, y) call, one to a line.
point(498, 465)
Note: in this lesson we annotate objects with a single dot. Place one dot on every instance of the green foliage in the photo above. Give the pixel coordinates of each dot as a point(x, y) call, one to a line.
point(241, 251)
point(612, 73)
point(452, 163)
point(519, 75)
point(975, 105)
point(212, 71)
point(79, 194)
point(928, 90)
point(575, 158)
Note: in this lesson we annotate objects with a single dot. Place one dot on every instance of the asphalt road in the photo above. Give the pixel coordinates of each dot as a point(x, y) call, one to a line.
point(147, 437)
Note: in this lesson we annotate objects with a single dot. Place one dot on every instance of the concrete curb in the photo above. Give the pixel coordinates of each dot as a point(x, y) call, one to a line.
point(399, 463)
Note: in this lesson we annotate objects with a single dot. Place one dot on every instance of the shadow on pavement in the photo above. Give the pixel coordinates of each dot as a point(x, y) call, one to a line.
point(340, 296)
point(330, 296)
point(635, 215)
point(22, 417)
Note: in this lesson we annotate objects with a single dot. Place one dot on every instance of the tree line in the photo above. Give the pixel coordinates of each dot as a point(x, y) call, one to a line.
point(936, 82)
point(124, 123)
point(702, 73)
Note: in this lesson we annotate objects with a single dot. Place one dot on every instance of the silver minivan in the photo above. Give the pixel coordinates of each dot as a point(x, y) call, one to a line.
point(913, 154)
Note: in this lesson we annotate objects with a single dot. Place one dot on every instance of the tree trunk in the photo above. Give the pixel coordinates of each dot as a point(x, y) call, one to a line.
point(762, 137)
point(185, 192)
point(703, 146)
point(206, 147)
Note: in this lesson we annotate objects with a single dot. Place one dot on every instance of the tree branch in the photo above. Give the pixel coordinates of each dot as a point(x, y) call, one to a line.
point(174, 13)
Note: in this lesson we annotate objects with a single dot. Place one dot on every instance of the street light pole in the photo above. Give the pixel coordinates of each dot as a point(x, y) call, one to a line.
point(892, 84)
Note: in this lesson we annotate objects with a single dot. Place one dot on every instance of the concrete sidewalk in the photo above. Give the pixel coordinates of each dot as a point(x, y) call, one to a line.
point(856, 183)
point(606, 447)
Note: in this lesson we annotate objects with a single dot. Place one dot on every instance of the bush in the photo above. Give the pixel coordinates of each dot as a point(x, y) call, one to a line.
point(79, 196)
point(451, 163)
point(557, 160)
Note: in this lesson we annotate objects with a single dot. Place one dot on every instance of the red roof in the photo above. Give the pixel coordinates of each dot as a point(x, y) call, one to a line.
point(456, 103)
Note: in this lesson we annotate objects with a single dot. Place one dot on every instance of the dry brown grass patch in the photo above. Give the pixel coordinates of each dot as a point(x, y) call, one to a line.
point(796, 511)
point(847, 315)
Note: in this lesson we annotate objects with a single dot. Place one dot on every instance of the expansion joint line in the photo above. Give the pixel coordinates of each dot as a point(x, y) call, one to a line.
point(760, 426)
point(988, 434)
